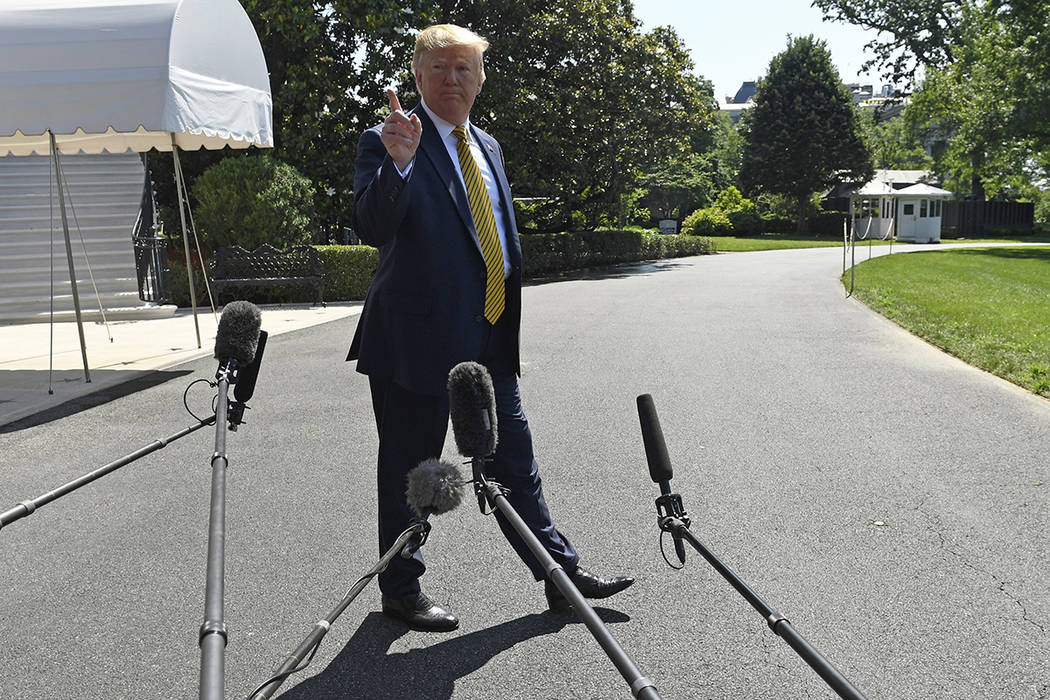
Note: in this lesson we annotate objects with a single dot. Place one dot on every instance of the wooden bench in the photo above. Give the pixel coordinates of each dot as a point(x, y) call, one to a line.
point(267, 266)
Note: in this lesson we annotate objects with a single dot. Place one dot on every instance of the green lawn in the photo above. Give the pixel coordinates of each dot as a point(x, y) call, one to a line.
point(988, 306)
point(777, 241)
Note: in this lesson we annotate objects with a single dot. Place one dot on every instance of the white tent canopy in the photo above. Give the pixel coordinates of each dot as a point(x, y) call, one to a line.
point(86, 76)
point(130, 74)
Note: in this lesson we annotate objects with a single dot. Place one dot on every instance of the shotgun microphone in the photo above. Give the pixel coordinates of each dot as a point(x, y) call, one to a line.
point(668, 504)
point(237, 337)
point(472, 407)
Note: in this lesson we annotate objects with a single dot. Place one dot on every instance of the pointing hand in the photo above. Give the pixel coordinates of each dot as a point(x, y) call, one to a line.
point(401, 132)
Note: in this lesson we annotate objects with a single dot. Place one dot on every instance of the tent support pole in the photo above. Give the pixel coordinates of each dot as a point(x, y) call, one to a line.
point(185, 237)
point(69, 256)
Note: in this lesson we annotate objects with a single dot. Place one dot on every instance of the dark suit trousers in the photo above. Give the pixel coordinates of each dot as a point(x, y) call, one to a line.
point(412, 427)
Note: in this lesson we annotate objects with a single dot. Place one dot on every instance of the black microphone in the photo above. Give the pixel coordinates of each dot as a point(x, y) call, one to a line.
point(472, 407)
point(244, 384)
point(247, 376)
point(669, 504)
point(434, 488)
point(237, 336)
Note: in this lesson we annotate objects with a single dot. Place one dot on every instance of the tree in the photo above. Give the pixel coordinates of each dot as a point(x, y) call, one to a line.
point(914, 34)
point(582, 100)
point(892, 143)
point(329, 63)
point(982, 87)
point(802, 135)
point(579, 97)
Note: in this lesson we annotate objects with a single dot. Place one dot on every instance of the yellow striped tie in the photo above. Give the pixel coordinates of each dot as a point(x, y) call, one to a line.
point(485, 223)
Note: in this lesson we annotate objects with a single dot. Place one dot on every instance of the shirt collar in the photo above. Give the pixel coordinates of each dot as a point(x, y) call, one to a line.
point(443, 127)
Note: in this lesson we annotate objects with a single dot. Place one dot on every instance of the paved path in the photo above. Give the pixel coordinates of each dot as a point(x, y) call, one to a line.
point(887, 498)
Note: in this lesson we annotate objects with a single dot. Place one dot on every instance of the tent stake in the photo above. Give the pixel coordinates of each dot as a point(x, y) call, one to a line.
point(69, 256)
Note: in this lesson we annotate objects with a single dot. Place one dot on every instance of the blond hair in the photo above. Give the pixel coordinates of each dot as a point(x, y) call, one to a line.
point(442, 36)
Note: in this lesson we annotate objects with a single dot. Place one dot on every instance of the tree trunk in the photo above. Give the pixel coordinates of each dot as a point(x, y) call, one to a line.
point(976, 183)
point(803, 213)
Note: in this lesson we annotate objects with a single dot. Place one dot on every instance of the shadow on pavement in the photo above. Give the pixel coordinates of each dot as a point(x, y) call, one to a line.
point(620, 271)
point(366, 668)
point(73, 405)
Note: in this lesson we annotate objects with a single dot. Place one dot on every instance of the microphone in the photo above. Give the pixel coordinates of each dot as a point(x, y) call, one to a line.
point(434, 488)
point(237, 336)
point(244, 384)
point(247, 376)
point(472, 407)
point(668, 504)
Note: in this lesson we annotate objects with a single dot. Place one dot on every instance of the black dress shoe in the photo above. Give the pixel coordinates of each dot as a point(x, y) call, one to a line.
point(590, 585)
point(420, 613)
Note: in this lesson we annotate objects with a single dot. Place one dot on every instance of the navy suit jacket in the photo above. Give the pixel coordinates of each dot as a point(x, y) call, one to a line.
point(423, 311)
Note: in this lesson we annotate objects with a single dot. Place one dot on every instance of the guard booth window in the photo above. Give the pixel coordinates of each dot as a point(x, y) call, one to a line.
point(922, 208)
point(909, 209)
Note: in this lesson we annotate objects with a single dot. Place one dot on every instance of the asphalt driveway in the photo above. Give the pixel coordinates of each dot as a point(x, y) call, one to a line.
point(891, 501)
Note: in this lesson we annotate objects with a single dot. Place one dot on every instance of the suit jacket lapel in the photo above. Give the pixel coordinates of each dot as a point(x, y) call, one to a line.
point(435, 151)
point(488, 145)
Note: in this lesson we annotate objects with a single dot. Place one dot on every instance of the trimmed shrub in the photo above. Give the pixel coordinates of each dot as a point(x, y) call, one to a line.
point(554, 252)
point(731, 200)
point(746, 222)
point(707, 222)
point(827, 223)
point(348, 270)
point(250, 200)
point(180, 286)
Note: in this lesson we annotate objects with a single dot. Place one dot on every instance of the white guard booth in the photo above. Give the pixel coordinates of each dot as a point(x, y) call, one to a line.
point(919, 213)
point(872, 211)
point(93, 76)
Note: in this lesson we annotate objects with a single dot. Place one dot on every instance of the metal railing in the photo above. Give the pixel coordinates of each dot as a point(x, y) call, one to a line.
point(151, 249)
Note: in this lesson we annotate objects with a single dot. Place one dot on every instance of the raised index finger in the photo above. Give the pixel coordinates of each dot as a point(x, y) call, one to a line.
point(395, 104)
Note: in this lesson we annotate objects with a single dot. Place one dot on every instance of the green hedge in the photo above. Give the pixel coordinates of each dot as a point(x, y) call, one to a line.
point(544, 253)
point(349, 268)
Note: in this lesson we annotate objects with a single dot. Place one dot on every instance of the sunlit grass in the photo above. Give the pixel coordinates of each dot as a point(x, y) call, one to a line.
point(988, 306)
point(778, 241)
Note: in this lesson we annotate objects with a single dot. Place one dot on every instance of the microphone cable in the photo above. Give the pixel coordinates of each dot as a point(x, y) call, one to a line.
point(663, 552)
point(185, 396)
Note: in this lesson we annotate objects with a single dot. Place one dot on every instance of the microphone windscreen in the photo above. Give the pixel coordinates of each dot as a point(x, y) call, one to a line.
point(434, 487)
point(238, 334)
point(472, 407)
point(653, 439)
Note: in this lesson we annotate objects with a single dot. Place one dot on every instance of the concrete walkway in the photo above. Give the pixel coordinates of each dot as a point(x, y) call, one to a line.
point(33, 379)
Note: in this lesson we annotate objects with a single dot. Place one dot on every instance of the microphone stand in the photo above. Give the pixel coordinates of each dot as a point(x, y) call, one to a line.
point(678, 525)
point(26, 508)
point(641, 687)
point(406, 543)
point(212, 636)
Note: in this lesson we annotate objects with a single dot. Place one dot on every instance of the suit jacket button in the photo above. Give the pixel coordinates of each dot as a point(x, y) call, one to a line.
point(479, 318)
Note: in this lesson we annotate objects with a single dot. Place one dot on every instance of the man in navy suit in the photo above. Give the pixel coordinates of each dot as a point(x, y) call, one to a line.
point(432, 194)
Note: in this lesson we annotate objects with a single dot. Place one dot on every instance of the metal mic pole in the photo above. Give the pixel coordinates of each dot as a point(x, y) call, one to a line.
point(641, 687)
point(777, 622)
point(26, 508)
point(212, 636)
